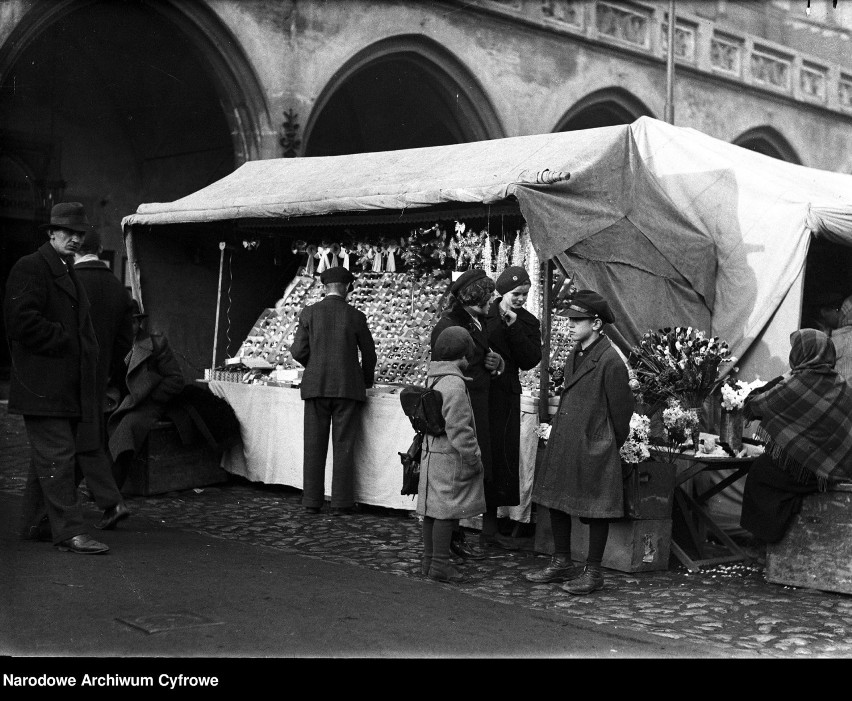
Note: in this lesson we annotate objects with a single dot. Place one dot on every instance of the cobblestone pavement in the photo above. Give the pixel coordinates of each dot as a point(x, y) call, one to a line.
point(730, 609)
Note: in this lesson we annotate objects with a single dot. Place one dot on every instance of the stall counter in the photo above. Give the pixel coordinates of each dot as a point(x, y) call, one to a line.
point(271, 427)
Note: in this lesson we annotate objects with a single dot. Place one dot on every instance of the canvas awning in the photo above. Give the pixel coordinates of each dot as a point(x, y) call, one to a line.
point(673, 226)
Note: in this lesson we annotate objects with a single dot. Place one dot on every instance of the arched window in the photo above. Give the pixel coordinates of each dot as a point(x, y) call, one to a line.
point(603, 108)
point(402, 92)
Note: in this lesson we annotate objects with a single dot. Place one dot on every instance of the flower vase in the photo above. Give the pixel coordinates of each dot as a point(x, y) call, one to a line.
point(696, 432)
point(731, 429)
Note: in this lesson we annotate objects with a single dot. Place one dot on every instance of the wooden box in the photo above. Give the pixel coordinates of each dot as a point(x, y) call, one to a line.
point(649, 490)
point(165, 464)
point(816, 550)
point(633, 545)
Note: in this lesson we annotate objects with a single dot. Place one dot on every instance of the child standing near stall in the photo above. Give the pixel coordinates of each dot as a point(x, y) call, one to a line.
point(451, 485)
point(581, 471)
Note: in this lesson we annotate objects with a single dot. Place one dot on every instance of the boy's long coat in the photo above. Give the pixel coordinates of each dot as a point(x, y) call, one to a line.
point(581, 470)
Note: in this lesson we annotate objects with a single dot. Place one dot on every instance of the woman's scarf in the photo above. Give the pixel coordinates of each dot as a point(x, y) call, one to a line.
point(807, 418)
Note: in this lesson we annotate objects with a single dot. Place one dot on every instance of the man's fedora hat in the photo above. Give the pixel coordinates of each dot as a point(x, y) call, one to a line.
point(68, 215)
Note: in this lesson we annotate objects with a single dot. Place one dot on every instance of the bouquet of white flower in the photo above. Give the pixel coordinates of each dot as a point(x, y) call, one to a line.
point(734, 393)
point(635, 448)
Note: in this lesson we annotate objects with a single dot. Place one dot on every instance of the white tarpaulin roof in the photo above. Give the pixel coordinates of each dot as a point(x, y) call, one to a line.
point(673, 226)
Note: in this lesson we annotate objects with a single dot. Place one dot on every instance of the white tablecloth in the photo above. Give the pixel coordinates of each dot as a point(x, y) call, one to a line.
point(271, 425)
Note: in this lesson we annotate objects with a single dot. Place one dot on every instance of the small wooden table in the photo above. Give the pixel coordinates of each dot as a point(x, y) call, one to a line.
point(697, 517)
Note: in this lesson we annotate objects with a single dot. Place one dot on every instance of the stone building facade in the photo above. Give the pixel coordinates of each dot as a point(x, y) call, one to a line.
point(117, 103)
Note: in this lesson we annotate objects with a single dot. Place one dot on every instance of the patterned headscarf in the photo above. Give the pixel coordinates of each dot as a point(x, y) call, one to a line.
point(807, 418)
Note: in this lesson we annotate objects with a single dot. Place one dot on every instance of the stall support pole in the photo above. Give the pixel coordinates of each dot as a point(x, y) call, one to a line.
point(670, 65)
point(544, 373)
point(218, 305)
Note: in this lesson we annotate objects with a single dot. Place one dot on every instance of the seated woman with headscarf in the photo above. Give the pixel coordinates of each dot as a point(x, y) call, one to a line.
point(806, 421)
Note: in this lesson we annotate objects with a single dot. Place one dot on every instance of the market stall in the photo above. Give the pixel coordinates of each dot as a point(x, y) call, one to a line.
point(673, 227)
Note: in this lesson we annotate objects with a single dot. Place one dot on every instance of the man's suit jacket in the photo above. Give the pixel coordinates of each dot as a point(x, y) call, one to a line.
point(330, 334)
point(52, 340)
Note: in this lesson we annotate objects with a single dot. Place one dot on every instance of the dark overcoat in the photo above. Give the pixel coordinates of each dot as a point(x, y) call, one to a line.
point(450, 483)
point(153, 377)
point(581, 470)
point(54, 351)
point(326, 343)
point(520, 346)
point(479, 381)
point(112, 318)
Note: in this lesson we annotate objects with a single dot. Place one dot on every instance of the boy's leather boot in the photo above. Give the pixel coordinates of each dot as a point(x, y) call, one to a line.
point(559, 569)
point(591, 580)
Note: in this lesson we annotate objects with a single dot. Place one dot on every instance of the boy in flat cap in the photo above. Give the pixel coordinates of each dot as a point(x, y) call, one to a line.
point(327, 341)
point(581, 471)
point(469, 297)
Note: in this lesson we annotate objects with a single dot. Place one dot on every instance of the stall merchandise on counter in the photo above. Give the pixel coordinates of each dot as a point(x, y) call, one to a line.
point(402, 304)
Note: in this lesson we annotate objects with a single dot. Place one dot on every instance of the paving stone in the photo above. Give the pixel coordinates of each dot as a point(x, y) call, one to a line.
point(731, 606)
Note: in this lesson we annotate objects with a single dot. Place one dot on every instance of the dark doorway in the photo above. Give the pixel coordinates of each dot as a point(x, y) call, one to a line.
point(109, 105)
point(828, 279)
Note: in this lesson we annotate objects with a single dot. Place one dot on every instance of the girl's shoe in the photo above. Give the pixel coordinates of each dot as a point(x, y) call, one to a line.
point(445, 573)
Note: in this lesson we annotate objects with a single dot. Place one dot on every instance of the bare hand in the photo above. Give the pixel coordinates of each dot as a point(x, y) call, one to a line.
point(508, 316)
point(492, 360)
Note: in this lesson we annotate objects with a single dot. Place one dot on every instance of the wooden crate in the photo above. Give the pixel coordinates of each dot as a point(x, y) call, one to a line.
point(633, 545)
point(649, 490)
point(816, 550)
point(166, 465)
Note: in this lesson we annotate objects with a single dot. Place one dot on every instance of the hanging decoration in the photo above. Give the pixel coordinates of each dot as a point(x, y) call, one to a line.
point(334, 252)
point(502, 258)
point(518, 251)
point(533, 268)
point(310, 267)
point(325, 256)
point(487, 256)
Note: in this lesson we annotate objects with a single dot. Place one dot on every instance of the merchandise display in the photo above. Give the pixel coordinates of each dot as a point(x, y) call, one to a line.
point(402, 306)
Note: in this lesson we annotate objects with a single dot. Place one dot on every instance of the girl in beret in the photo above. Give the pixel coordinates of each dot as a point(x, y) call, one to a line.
point(515, 334)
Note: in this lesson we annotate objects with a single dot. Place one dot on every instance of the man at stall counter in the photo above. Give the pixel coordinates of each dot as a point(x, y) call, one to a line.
point(334, 383)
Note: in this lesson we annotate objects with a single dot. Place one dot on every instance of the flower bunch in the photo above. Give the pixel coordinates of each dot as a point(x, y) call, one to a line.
point(678, 425)
point(543, 431)
point(635, 448)
point(679, 362)
point(734, 393)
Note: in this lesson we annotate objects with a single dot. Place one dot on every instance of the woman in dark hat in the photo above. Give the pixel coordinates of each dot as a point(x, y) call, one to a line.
point(515, 334)
point(468, 301)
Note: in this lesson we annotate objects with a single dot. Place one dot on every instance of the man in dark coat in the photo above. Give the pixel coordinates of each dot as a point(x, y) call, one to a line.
point(154, 377)
point(54, 371)
point(113, 323)
point(327, 342)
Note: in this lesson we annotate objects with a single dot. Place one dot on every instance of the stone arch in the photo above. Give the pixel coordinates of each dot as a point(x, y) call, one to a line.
point(769, 142)
point(463, 111)
point(240, 93)
point(603, 108)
